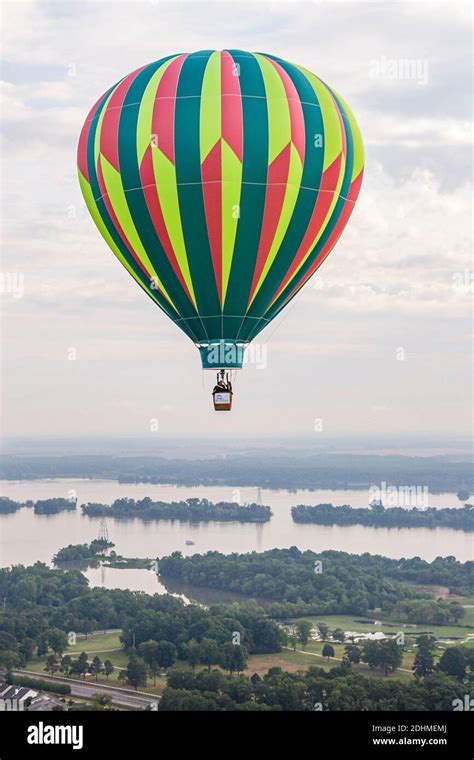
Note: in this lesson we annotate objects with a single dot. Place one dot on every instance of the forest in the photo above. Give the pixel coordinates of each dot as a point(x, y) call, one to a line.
point(329, 583)
point(42, 605)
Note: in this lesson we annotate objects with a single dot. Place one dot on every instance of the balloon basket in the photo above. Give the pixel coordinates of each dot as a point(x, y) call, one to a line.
point(222, 401)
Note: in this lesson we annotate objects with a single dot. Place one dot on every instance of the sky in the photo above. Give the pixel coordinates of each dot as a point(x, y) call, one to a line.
point(379, 342)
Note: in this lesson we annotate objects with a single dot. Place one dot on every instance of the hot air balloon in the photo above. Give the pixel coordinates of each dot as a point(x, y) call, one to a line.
point(221, 180)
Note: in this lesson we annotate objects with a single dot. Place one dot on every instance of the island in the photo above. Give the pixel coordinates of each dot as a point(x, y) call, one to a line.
point(53, 506)
point(8, 506)
point(461, 518)
point(189, 510)
point(41, 507)
point(81, 552)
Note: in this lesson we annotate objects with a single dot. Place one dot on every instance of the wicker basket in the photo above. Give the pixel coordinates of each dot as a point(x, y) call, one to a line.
point(222, 401)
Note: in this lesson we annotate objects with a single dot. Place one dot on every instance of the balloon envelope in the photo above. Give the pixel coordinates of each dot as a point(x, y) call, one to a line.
point(221, 180)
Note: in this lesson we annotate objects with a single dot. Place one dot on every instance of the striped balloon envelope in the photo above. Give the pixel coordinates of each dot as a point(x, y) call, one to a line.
point(221, 180)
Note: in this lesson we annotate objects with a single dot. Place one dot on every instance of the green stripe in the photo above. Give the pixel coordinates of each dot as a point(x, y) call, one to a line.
point(129, 169)
point(348, 174)
point(191, 202)
point(311, 178)
point(252, 198)
point(106, 220)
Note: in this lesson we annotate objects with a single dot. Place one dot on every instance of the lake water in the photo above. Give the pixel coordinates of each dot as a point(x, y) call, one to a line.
point(26, 537)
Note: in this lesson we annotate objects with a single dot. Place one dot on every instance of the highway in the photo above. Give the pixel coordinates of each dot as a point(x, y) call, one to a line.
point(123, 698)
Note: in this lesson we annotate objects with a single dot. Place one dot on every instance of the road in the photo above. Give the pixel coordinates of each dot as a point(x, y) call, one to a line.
point(86, 689)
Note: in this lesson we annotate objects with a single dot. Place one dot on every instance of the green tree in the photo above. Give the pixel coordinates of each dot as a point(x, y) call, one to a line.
point(148, 650)
point(166, 654)
point(371, 653)
point(456, 611)
point(66, 664)
point(303, 631)
point(42, 645)
point(209, 653)
point(233, 658)
point(135, 674)
point(453, 662)
point(108, 669)
point(26, 650)
point(81, 665)
point(51, 664)
point(391, 655)
point(293, 640)
point(352, 653)
point(95, 668)
point(57, 640)
point(328, 651)
point(9, 659)
point(323, 631)
point(339, 635)
point(102, 701)
point(424, 659)
point(193, 654)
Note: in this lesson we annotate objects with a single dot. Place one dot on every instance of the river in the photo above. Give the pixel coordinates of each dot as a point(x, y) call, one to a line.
point(26, 537)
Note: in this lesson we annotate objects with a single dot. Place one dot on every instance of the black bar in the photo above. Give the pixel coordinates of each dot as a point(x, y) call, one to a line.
point(244, 734)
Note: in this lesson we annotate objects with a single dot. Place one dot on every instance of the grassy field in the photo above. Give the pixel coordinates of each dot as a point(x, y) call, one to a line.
point(302, 660)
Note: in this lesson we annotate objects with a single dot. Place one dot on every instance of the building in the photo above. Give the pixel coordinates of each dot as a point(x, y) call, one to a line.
point(15, 697)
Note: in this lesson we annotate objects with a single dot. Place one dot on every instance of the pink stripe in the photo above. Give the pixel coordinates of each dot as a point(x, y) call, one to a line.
point(84, 137)
point(211, 171)
point(324, 199)
point(122, 234)
point(110, 123)
point(151, 196)
point(231, 106)
point(164, 108)
point(275, 195)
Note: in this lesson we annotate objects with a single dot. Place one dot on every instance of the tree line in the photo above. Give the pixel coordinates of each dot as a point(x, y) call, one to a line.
point(263, 468)
point(394, 517)
point(338, 689)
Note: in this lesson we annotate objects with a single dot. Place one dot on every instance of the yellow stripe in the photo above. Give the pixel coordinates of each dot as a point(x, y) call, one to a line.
point(329, 113)
point(116, 194)
point(279, 123)
point(210, 121)
point(358, 145)
point(167, 189)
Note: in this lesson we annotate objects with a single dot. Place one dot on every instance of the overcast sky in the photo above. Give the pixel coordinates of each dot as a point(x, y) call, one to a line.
point(380, 342)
